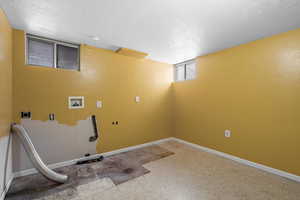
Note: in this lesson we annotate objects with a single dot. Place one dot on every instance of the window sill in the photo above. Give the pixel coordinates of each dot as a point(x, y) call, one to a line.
point(50, 68)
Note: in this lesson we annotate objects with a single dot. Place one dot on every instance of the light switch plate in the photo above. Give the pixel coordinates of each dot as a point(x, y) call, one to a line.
point(227, 133)
point(137, 99)
point(99, 104)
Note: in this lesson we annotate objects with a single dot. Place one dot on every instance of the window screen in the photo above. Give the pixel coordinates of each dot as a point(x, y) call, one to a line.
point(190, 71)
point(40, 52)
point(185, 71)
point(67, 57)
point(52, 53)
point(179, 73)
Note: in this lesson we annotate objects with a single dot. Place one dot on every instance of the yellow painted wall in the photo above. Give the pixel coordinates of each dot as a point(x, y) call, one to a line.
point(5, 74)
point(115, 79)
point(253, 90)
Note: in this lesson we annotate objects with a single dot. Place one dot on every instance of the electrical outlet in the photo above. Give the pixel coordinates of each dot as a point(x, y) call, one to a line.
point(227, 133)
point(115, 123)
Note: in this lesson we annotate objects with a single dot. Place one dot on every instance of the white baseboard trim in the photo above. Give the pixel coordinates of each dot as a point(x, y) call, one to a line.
point(242, 161)
point(136, 147)
point(6, 188)
point(228, 156)
point(71, 162)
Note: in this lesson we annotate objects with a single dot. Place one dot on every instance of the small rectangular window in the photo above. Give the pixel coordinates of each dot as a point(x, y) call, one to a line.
point(190, 71)
point(40, 52)
point(52, 53)
point(67, 57)
point(185, 71)
point(180, 73)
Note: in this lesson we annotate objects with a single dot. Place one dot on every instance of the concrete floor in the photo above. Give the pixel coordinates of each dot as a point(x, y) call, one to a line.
point(189, 174)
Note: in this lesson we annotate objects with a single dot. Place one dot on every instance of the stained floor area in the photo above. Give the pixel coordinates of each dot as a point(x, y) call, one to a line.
point(113, 170)
point(188, 174)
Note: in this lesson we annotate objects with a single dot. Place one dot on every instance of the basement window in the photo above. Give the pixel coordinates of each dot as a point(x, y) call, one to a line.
point(185, 71)
point(52, 53)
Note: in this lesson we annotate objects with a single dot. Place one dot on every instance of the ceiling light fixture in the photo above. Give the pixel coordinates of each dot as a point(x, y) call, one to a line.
point(95, 38)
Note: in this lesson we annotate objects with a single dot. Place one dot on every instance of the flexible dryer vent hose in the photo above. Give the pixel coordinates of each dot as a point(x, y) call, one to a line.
point(34, 156)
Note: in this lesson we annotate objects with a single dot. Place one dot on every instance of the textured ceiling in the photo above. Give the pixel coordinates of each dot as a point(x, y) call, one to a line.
point(168, 30)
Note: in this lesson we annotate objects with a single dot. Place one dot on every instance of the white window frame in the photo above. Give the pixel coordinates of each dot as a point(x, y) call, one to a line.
point(55, 42)
point(184, 64)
